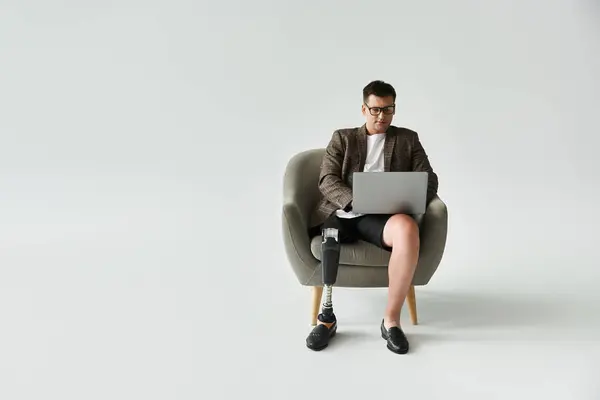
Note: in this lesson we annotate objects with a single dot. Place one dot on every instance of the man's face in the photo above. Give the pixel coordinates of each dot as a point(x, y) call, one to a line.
point(379, 113)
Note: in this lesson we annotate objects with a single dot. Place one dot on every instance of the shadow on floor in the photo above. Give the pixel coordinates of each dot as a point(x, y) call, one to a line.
point(488, 310)
point(471, 311)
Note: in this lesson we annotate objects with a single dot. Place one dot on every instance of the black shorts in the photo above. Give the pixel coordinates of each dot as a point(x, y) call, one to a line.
point(368, 228)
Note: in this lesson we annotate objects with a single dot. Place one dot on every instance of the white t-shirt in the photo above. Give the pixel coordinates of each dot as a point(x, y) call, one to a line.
point(373, 163)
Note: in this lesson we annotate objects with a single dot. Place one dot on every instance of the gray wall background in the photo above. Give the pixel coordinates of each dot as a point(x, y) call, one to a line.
point(143, 146)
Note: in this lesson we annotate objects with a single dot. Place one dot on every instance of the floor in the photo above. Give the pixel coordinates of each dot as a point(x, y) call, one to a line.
point(117, 295)
point(470, 344)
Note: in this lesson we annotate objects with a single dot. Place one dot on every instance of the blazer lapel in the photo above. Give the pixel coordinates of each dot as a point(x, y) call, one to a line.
point(362, 147)
point(388, 149)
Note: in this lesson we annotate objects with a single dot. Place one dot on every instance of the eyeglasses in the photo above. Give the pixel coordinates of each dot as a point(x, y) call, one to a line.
point(377, 110)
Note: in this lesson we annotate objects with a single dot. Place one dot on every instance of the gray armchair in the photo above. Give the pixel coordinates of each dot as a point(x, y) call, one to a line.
point(361, 264)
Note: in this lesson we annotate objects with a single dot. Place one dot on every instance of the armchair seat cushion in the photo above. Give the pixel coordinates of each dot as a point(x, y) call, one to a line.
point(359, 253)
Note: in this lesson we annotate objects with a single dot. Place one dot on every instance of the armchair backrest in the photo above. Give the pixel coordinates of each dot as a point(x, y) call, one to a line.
point(301, 179)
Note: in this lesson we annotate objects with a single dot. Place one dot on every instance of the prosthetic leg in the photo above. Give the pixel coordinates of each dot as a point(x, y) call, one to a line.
point(326, 327)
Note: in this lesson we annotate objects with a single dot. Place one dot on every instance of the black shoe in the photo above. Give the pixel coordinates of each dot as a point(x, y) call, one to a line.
point(319, 337)
point(396, 340)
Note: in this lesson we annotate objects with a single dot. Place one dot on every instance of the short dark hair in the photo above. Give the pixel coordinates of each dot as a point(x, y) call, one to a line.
point(379, 89)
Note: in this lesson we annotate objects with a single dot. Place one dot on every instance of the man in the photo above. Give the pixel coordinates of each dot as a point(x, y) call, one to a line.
point(377, 146)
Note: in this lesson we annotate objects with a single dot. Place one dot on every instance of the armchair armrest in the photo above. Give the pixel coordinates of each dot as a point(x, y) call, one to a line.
point(297, 242)
point(434, 232)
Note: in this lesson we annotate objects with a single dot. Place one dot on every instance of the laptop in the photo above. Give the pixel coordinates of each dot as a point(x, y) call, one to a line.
point(389, 192)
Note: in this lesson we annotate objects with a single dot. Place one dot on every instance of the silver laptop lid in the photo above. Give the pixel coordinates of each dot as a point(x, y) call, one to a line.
point(389, 192)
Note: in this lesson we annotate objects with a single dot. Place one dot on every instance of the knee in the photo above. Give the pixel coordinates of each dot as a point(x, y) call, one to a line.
point(402, 227)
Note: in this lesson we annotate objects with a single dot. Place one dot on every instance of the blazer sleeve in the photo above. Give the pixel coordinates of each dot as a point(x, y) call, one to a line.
point(331, 185)
point(420, 162)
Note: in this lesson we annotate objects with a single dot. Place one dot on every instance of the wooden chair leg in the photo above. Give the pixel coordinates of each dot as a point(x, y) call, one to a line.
point(317, 294)
point(412, 304)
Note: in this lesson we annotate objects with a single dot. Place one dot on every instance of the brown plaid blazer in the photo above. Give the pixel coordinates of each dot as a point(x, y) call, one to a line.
point(346, 154)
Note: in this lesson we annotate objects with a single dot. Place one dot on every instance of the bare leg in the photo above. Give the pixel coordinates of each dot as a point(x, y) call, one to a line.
point(402, 234)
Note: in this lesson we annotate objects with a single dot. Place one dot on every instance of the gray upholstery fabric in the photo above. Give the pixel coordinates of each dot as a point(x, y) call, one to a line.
point(361, 264)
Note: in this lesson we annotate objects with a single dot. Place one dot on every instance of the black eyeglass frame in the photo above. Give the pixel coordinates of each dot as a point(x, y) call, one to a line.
point(379, 110)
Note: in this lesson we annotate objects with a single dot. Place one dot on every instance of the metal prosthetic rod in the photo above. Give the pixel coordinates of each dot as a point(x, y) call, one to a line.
point(330, 248)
